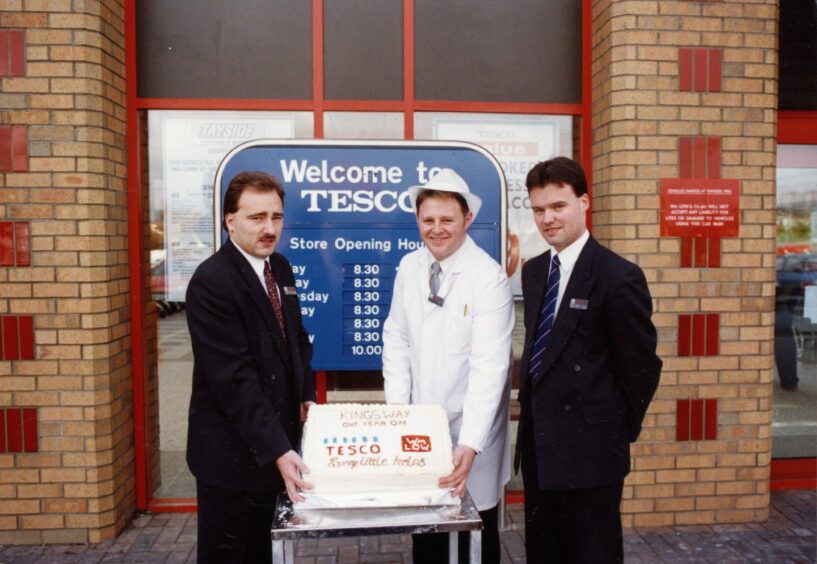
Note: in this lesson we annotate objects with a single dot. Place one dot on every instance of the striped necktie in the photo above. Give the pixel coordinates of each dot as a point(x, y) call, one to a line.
point(546, 317)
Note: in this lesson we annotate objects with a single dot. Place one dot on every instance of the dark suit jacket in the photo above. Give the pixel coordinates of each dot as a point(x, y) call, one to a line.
point(598, 375)
point(248, 383)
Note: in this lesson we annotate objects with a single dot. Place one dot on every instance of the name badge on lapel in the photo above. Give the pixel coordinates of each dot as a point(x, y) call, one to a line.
point(576, 303)
point(290, 291)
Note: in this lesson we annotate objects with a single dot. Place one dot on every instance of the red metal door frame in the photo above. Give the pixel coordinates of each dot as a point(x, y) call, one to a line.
point(317, 105)
point(795, 128)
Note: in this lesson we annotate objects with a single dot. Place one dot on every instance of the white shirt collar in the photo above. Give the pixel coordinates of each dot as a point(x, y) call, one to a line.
point(570, 254)
point(256, 263)
point(567, 260)
point(448, 264)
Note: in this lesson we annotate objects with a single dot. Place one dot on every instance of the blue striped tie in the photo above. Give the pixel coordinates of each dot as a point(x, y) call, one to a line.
point(546, 317)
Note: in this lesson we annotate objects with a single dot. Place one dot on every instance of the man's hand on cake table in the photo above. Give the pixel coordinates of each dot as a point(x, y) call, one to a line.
point(463, 459)
point(291, 468)
point(305, 409)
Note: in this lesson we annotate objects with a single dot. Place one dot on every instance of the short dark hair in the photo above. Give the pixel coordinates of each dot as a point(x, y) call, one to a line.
point(423, 195)
point(558, 170)
point(252, 180)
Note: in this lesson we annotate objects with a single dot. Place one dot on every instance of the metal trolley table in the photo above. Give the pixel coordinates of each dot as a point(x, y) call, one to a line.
point(289, 525)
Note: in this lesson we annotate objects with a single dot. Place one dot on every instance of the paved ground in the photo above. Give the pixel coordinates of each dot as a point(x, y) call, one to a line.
point(788, 537)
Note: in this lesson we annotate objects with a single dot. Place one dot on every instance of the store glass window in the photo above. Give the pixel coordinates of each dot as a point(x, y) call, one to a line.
point(363, 125)
point(184, 150)
point(253, 49)
point(794, 428)
point(518, 141)
point(525, 51)
point(361, 36)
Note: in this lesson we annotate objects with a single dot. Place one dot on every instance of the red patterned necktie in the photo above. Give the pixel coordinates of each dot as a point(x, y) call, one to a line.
point(272, 290)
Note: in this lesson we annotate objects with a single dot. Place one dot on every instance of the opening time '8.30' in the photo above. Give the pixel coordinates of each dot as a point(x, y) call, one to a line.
point(365, 337)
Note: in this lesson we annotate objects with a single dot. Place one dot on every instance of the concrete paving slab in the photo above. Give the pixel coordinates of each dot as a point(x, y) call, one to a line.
point(789, 536)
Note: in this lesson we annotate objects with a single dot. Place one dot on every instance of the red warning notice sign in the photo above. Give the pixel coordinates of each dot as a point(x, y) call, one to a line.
point(698, 207)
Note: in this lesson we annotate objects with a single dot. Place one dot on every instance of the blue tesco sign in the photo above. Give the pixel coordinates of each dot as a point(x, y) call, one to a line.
point(348, 221)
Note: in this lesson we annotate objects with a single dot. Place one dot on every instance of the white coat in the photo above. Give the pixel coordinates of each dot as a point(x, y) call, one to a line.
point(457, 355)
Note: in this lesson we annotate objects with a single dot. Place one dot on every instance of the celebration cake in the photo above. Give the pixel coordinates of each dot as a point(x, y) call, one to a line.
point(376, 456)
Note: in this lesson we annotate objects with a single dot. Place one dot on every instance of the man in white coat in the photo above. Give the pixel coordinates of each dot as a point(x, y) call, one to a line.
point(447, 341)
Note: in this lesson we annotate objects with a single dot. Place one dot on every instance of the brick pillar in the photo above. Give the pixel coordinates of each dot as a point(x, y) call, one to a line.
point(687, 89)
point(66, 461)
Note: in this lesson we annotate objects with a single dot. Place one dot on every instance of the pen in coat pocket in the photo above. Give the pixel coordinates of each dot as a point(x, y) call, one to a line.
point(465, 311)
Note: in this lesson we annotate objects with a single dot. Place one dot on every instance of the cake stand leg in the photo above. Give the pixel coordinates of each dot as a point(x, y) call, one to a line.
point(283, 551)
point(453, 547)
point(476, 547)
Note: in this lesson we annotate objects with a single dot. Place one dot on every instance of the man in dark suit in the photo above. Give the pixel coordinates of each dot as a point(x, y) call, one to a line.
point(588, 373)
point(252, 380)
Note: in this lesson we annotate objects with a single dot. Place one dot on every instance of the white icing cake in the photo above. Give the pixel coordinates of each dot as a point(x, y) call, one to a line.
point(376, 455)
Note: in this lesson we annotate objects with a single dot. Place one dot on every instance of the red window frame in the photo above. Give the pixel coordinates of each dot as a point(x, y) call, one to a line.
point(318, 105)
point(795, 127)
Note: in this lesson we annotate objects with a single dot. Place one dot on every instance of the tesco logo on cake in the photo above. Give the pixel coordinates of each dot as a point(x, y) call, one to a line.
point(352, 450)
point(416, 443)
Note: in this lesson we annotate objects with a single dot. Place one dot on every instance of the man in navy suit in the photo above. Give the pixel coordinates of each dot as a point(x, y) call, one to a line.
point(588, 373)
point(252, 379)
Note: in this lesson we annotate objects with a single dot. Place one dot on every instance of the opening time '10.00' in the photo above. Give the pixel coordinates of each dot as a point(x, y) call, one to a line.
point(366, 350)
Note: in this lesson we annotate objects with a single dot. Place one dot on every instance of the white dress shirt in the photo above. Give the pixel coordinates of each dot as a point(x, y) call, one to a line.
point(567, 260)
point(257, 265)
